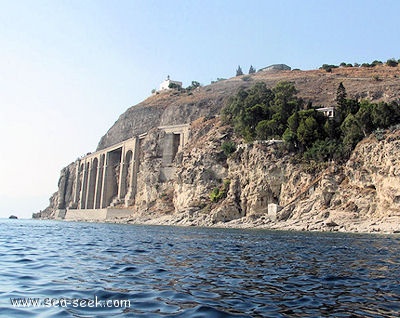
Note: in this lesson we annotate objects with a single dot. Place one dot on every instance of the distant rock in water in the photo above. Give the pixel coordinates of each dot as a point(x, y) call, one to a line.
point(13, 217)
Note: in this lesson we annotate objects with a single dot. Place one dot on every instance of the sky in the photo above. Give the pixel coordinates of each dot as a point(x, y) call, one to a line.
point(69, 69)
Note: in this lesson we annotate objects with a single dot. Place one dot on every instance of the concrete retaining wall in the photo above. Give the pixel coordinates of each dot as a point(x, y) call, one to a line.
point(96, 214)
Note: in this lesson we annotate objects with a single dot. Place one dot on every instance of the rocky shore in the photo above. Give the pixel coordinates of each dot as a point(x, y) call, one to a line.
point(384, 225)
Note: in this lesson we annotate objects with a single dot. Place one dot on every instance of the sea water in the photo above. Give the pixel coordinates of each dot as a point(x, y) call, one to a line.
point(62, 269)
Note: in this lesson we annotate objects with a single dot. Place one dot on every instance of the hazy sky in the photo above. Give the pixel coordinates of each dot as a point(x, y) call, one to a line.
point(68, 69)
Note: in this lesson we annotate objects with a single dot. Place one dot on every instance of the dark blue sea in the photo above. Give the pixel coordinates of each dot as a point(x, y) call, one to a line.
point(61, 269)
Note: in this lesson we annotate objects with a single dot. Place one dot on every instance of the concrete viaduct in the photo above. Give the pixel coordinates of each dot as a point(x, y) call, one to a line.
point(105, 181)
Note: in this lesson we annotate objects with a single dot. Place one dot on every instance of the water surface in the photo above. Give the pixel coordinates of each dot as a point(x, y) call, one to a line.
point(194, 272)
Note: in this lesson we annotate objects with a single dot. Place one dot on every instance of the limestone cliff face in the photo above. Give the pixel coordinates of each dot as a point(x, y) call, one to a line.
point(167, 108)
point(154, 192)
point(373, 176)
point(365, 189)
point(254, 176)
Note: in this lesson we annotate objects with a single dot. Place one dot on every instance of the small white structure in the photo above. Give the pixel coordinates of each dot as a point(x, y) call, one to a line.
point(273, 210)
point(165, 85)
point(329, 112)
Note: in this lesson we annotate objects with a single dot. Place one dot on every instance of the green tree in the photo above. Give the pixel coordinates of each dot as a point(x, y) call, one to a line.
point(324, 150)
point(228, 147)
point(310, 128)
point(239, 71)
point(194, 85)
point(290, 139)
point(364, 117)
point(384, 115)
point(247, 108)
point(290, 134)
point(266, 129)
point(345, 106)
point(341, 95)
point(328, 67)
point(175, 86)
point(307, 132)
point(252, 70)
point(392, 63)
point(285, 103)
point(352, 106)
point(376, 62)
point(293, 122)
point(352, 133)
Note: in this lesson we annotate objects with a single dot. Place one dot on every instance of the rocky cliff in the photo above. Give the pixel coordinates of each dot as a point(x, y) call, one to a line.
point(259, 184)
point(359, 196)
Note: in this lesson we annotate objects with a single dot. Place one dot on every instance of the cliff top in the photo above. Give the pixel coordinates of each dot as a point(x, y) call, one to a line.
point(171, 107)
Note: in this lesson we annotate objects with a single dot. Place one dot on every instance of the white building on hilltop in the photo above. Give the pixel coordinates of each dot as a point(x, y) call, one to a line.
point(166, 84)
point(329, 112)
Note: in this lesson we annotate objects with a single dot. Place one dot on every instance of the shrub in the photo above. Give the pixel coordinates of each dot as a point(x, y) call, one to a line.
point(328, 67)
point(377, 78)
point(375, 63)
point(194, 85)
point(215, 195)
point(392, 63)
point(228, 147)
point(323, 150)
point(220, 193)
point(174, 86)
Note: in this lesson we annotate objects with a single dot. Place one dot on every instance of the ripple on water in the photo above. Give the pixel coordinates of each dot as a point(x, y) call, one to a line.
point(193, 272)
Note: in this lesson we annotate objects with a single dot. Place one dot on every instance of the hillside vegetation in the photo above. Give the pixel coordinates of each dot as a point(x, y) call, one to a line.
point(261, 113)
point(317, 87)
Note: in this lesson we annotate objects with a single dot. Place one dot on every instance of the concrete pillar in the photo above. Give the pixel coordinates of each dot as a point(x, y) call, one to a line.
point(103, 183)
point(84, 185)
point(103, 202)
point(110, 184)
point(182, 141)
point(99, 183)
point(122, 176)
point(89, 176)
point(131, 171)
point(92, 180)
point(168, 147)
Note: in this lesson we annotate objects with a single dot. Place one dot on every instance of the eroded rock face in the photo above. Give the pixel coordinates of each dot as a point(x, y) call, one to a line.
point(373, 174)
point(334, 196)
point(169, 108)
point(154, 192)
point(201, 167)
